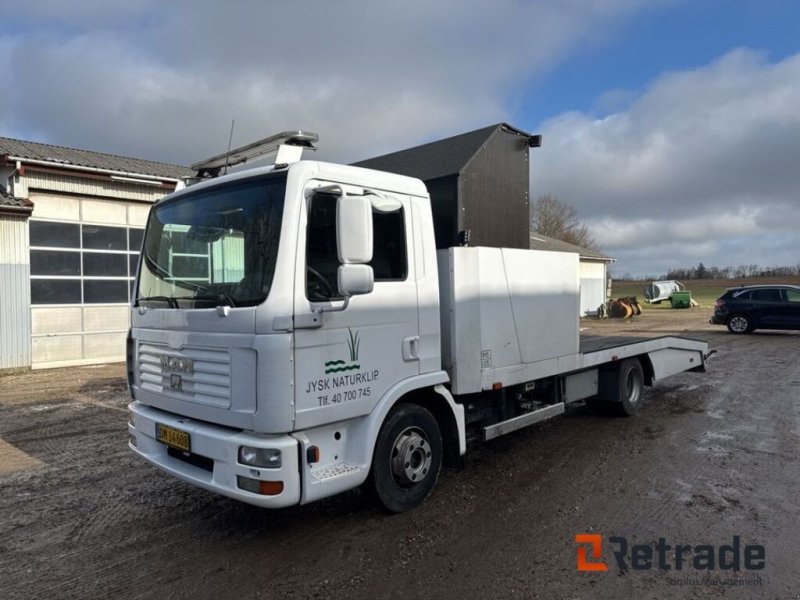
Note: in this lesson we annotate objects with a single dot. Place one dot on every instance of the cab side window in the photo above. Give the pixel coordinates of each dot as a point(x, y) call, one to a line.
point(389, 255)
point(322, 256)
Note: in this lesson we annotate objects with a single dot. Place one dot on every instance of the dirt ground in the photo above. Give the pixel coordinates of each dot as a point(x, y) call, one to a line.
point(709, 457)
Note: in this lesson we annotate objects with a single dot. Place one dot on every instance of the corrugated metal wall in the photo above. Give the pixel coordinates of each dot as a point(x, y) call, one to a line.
point(35, 180)
point(15, 293)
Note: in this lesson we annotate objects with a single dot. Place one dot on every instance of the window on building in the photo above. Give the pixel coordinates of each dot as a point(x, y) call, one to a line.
point(99, 237)
point(55, 235)
point(55, 291)
point(56, 262)
point(75, 263)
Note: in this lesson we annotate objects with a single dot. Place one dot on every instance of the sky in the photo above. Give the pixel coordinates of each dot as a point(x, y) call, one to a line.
point(673, 126)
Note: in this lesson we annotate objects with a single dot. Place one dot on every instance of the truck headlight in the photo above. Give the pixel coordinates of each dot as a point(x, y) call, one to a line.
point(260, 457)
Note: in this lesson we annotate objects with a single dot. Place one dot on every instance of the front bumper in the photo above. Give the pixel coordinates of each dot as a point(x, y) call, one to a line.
point(218, 448)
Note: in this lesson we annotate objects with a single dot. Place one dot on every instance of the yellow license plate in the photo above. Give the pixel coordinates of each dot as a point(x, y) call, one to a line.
point(173, 437)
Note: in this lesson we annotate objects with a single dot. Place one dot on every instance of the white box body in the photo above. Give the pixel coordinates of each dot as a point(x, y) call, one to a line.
point(503, 308)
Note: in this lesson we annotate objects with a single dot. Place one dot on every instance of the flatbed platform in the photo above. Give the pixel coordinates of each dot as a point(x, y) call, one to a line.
point(597, 343)
point(594, 343)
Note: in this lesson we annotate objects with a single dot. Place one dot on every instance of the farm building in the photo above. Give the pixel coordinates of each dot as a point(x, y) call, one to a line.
point(71, 225)
point(593, 270)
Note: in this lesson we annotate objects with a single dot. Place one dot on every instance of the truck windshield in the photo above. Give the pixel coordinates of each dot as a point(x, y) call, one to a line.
point(215, 247)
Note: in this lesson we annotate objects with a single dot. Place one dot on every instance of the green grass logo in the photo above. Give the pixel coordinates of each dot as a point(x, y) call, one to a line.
point(337, 366)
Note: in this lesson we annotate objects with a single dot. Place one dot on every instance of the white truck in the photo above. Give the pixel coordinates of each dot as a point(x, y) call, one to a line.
point(296, 333)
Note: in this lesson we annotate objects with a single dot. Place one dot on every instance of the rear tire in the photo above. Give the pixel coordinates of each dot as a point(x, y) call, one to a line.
point(621, 391)
point(407, 458)
point(740, 323)
point(631, 387)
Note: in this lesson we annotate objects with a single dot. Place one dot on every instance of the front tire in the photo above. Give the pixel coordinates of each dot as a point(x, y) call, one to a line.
point(407, 458)
point(740, 324)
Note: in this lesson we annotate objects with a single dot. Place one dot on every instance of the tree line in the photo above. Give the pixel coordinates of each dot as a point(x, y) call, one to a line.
point(701, 271)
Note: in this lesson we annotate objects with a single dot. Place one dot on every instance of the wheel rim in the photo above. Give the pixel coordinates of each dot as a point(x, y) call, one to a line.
point(738, 324)
point(411, 457)
point(633, 391)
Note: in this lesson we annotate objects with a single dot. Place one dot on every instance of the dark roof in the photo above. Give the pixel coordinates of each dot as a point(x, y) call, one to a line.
point(9, 203)
point(436, 159)
point(85, 158)
point(542, 242)
point(755, 286)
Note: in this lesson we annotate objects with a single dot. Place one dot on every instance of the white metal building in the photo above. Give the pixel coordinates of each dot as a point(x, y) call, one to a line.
point(593, 271)
point(71, 225)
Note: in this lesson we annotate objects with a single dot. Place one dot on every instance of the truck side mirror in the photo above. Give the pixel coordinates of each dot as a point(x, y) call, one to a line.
point(355, 279)
point(354, 229)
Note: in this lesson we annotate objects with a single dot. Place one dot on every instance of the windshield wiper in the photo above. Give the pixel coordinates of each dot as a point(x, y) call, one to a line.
point(171, 302)
point(222, 299)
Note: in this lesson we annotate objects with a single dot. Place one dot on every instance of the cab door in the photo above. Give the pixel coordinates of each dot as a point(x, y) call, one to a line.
point(350, 357)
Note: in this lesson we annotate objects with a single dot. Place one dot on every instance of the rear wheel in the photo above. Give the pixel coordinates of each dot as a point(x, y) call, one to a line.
point(631, 386)
point(407, 459)
point(621, 392)
point(740, 324)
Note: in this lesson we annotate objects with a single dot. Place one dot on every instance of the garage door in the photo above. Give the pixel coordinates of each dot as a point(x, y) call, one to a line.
point(593, 287)
point(83, 260)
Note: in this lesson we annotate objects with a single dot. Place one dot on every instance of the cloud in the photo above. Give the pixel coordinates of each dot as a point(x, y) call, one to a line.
point(163, 80)
point(701, 156)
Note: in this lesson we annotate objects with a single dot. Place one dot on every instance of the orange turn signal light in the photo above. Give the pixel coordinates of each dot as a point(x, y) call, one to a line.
point(270, 488)
point(256, 486)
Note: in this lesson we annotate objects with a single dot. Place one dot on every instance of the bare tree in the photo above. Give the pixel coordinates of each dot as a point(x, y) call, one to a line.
point(556, 219)
point(740, 271)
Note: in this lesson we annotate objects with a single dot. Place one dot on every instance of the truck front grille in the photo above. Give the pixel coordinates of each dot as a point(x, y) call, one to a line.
point(199, 375)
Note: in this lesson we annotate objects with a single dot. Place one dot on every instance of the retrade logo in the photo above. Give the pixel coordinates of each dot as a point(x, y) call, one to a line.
point(664, 556)
point(595, 541)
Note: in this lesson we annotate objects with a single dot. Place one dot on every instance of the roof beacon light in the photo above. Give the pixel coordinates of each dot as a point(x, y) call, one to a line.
point(287, 146)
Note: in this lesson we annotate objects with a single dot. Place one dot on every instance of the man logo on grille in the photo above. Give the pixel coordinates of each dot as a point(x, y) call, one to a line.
point(176, 383)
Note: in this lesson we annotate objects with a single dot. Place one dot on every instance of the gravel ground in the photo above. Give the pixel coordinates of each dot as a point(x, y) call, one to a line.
point(710, 456)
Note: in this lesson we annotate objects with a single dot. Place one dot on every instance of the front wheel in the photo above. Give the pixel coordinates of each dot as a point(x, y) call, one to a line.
point(407, 459)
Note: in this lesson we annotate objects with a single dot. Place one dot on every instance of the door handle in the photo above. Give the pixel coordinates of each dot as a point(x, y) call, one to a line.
point(411, 348)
